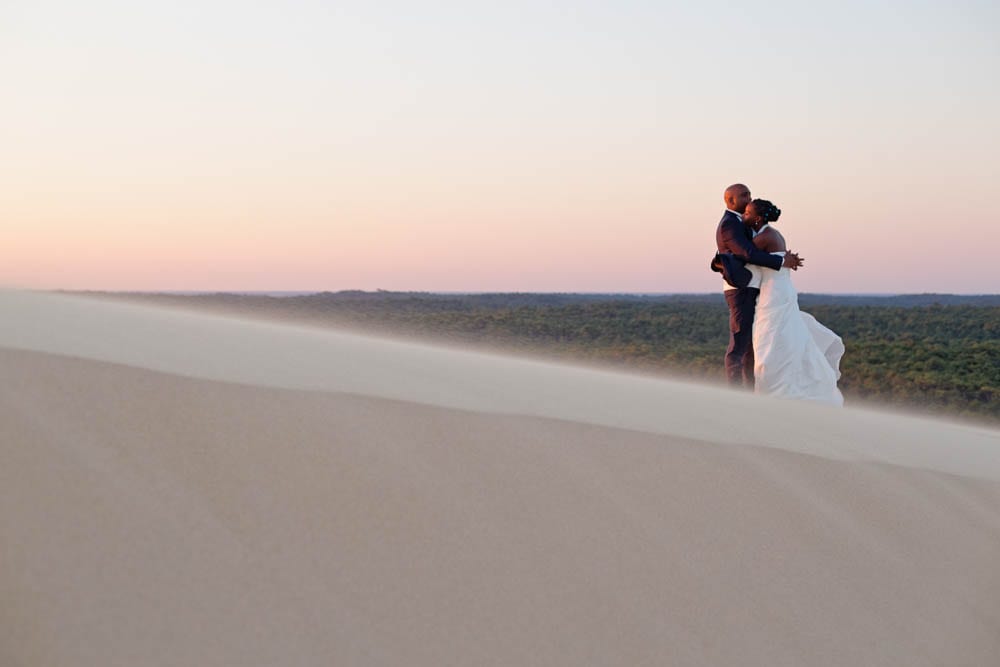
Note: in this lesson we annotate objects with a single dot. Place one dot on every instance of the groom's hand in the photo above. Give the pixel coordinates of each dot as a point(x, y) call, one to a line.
point(792, 261)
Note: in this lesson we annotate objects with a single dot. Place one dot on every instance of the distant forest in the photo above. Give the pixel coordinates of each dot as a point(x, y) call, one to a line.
point(938, 353)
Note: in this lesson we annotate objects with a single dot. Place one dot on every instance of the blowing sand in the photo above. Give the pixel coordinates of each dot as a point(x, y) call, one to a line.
point(182, 489)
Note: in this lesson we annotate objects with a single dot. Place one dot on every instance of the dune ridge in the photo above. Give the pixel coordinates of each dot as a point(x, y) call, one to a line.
point(295, 357)
point(187, 489)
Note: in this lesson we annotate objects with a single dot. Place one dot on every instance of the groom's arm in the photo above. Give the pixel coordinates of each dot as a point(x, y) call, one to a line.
point(735, 240)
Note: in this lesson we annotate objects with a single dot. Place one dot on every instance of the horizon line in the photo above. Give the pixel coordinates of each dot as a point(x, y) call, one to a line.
point(484, 292)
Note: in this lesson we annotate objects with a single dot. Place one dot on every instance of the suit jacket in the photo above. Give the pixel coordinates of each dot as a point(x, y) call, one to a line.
point(734, 237)
point(733, 270)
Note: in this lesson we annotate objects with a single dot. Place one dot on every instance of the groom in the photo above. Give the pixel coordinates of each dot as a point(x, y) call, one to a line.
point(732, 236)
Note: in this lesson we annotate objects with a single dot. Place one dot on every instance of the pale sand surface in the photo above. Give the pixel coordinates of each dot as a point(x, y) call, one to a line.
point(180, 489)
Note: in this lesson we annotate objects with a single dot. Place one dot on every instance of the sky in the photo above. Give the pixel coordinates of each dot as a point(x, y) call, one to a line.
point(472, 146)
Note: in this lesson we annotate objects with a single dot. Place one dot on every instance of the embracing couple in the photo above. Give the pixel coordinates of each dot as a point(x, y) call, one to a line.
point(773, 346)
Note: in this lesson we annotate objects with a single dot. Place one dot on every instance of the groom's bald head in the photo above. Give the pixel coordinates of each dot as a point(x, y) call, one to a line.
point(737, 196)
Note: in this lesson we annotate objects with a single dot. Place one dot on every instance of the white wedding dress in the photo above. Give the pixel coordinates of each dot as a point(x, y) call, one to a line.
point(794, 355)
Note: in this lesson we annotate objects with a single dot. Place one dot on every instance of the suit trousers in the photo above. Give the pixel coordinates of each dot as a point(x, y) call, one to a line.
point(739, 355)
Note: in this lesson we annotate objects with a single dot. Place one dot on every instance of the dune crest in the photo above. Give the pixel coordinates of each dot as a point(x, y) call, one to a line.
point(293, 357)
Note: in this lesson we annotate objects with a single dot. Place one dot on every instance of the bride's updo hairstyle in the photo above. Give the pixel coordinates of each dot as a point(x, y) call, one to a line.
point(761, 211)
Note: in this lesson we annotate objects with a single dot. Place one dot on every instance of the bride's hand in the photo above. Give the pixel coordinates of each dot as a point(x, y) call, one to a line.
point(792, 261)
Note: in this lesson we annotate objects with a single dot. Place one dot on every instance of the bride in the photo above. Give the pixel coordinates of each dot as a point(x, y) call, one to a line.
point(795, 356)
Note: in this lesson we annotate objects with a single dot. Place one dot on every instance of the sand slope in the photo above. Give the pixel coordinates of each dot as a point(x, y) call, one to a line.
point(179, 489)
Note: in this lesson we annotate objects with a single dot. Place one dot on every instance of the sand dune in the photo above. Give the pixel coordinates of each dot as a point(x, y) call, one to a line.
point(182, 489)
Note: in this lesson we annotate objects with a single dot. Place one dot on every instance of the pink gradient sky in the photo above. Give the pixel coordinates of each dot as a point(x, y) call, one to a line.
point(469, 147)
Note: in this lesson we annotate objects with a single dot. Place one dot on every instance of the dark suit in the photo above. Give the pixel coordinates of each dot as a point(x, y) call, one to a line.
point(733, 236)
